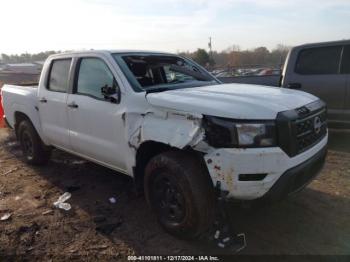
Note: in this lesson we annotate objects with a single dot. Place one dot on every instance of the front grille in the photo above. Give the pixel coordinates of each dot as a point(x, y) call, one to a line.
point(301, 128)
point(310, 130)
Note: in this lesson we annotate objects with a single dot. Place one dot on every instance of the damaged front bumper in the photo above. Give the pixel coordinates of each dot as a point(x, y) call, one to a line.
point(251, 173)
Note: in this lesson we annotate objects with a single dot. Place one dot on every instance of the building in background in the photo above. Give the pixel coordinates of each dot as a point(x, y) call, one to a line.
point(22, 68)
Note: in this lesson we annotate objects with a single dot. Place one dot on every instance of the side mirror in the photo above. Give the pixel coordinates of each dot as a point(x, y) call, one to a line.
point(111, 93)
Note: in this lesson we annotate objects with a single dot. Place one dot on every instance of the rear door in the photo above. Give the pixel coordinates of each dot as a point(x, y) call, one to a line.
point(317, 71)
point(97, 130)
point(53, 103)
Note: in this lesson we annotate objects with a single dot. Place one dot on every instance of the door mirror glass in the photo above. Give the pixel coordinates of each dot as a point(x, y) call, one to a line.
point(110, 93)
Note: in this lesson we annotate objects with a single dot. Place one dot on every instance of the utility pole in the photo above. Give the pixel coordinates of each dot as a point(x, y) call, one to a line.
point(209, 45)
point(210, 49)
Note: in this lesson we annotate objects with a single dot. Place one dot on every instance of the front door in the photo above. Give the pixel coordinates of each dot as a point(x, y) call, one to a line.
point(96, 125)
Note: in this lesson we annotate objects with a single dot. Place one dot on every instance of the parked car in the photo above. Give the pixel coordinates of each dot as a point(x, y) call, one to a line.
point(269, 72)
point(322, 69)
point(224, 74)
point(165, 121)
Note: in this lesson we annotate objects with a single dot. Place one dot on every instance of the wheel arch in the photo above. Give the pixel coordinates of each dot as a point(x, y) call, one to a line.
point(145, 152)
point(19, 116)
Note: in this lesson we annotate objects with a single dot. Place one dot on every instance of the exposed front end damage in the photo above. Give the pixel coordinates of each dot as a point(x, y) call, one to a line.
point(243, 173)
point(175, 129)
point(248, 174)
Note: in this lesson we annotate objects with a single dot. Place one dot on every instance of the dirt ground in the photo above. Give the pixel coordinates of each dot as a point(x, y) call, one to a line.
point(315, 221)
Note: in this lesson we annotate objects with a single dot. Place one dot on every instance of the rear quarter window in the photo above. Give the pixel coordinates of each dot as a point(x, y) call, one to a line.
point(59, 73)
point(319, 61)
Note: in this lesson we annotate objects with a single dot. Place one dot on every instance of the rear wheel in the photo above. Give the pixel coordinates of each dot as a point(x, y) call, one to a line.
point(179, 190)
point(34, 150)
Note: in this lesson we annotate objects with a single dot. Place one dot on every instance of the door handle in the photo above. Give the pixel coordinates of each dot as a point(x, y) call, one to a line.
point(73, 105)
point(294, 85)
point(43, 100)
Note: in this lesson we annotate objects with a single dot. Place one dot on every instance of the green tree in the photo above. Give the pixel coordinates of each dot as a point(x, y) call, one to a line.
point(201, 57)
point(261, 55)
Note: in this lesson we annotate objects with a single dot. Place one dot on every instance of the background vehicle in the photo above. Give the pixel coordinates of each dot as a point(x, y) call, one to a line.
point(179, 132)
point(322, 69)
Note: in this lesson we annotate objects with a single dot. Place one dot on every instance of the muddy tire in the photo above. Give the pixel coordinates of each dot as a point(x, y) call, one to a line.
point(34, 150)
point(179, 190)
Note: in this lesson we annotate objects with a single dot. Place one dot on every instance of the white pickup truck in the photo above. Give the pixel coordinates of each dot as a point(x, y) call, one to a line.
point(178, 131)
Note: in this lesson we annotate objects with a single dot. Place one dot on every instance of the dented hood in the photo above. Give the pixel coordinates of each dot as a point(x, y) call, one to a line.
point(238, 101)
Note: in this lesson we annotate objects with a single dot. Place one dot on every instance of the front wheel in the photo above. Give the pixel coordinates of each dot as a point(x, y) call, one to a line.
point(34, 150)
point(179, 190)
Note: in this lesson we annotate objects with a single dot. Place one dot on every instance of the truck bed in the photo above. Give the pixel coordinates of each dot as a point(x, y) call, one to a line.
point(21, 98)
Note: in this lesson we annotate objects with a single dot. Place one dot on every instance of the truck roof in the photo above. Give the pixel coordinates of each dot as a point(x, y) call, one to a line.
point(338, 42)
point(117, 51)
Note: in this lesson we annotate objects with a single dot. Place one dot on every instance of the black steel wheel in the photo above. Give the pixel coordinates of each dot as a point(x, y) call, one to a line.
point(34, 151)
point(180, 192)
point(169, 200)
point(27, 145)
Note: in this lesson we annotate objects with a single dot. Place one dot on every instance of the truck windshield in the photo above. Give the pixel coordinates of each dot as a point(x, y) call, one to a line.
point(154, 72)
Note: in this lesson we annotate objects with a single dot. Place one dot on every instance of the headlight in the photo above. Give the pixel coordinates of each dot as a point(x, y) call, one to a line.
point(223, 132)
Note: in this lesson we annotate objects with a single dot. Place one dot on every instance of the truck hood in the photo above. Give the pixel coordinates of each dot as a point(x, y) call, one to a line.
point(237, 101)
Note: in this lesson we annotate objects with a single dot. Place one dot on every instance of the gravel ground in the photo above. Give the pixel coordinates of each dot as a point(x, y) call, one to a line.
point(315, 221)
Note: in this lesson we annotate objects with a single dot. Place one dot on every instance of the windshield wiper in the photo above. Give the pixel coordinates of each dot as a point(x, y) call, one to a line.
point(189, 72)
point(157, 89)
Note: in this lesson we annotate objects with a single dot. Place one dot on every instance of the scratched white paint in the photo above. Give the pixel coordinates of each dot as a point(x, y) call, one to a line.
point(174, 129)
point(225, 165)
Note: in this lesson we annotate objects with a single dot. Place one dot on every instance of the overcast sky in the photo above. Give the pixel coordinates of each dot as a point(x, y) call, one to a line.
point(168, 25)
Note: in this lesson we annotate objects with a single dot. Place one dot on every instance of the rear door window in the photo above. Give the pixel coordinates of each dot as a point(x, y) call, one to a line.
point(319, 61)
point(59, 74)
point(345, 68)
point(93, 75)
